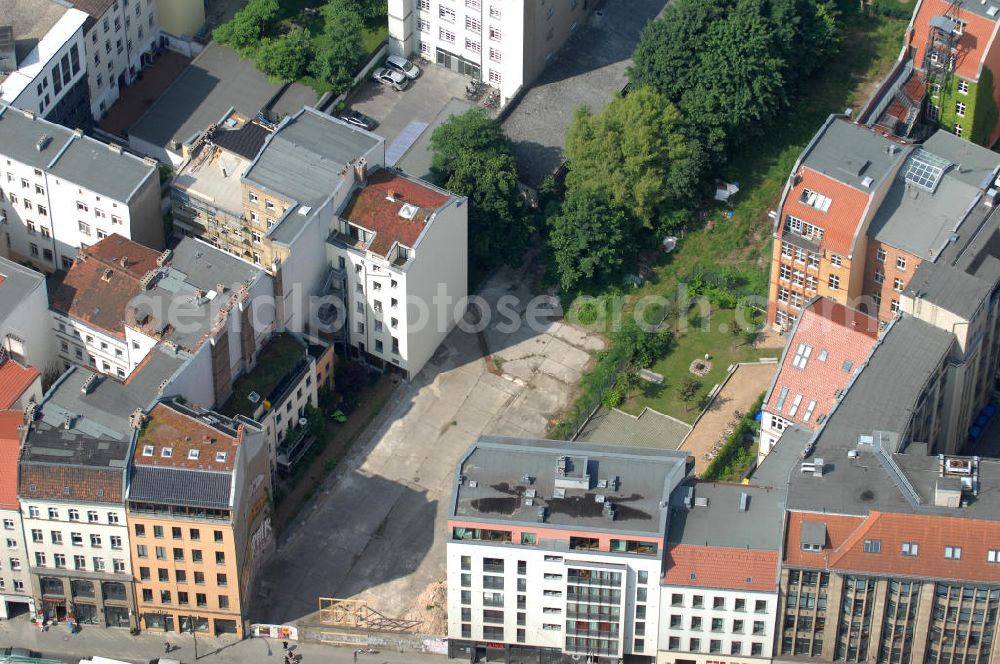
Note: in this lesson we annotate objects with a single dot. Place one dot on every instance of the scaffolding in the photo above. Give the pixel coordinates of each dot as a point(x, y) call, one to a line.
point(357, 614)
point(941, 50)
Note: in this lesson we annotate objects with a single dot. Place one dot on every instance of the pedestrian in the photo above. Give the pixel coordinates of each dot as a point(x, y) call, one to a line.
point(284, 646)
point(355, 657)
point(166, 646)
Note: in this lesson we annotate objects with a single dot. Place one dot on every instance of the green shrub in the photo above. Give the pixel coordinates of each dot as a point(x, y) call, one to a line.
point(737, 453)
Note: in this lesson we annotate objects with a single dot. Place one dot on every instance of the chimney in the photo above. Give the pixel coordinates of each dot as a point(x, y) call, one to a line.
point(124, 261)
point(361, 171)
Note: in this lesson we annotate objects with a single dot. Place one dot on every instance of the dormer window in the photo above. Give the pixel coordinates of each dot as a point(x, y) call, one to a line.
point(815, 200)
point(147, 450)
point(167, 452)
point(812, 548)
point(220, 457)
point(804, 228)
point(193, 455)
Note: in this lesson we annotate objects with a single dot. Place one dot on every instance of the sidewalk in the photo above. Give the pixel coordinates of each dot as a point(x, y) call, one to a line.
point(118, 644)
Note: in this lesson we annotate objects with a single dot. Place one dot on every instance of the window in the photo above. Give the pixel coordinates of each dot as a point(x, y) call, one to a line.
point(952, 553)
point(697, 602)
point(909, 548)
point(199, 578)
point(220, 558)
point(473, 45)
point(161, 553)
point(196, 555)
point(802, 356)
point(897, 285)
point(220, 580)
point(84, 228)
point(472, 23)
point(223, 602)
point(158, 532)
point(836, 260)
point(140, 530)
point(834, 282)
point(116, 542)
point(960, 109)
point(423, 25)
point(879, 276)
point(873, 546)
point(958, 130)
point(79, 562)
point(495, 77)
point(446, 35)
point(900, 263)
point(253, 197)
point(113, 518)
point(993, 556)
point(495, 34)
point(446, 13)
point(60, 560)
point(141, 551)
point(37, 535)
point(894, 306)
point(39, 559)
point(201, 599)
point(963, 88)
point(57, 537)
point(182, 597)
point(880, 255)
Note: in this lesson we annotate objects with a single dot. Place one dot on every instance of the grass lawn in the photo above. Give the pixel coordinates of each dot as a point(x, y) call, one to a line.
point(713, 338)
point(275, 360)
point(870, 47)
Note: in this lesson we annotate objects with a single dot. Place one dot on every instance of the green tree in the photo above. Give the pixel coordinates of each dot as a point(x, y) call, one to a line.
point(285, 58)
point(473, 158)
point(245, 30)
point(591, 239)
point(339, 51)
point(689, 389)
point(639, 151)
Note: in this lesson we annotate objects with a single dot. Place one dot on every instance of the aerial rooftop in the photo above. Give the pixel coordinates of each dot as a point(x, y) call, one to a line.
point(30, 21)
point(17, 282)
point(827, 346)
point(394, 208)
point(850, 153)
point(552, 484)
point(279, 360)
point(14, 380)
point(11, 422)
point(72, 156)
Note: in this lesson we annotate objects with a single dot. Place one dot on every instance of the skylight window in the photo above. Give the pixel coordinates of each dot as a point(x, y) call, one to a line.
point(925, 170)
point(795, 405)
point(220, 456)
point(781, 399)
point(147, 450)
point(193, 455)
point(167, 452)
point(802, 356)
point(809, 411)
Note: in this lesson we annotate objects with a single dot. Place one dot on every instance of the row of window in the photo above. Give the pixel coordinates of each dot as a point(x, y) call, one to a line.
point(72, 514)
point(177, 533)
point(76, 539)
point(197, 555)
point(180, 576)
point(495, 12)
point(719, 603)
point(79, 562)
point(166, 597)
point(880, 256)
point(168, 452)
point(715, 646)
point(738, 626)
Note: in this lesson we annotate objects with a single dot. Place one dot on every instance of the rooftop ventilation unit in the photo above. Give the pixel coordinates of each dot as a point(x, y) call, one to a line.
point(867, 181)
point(819, 467)
point(43, 142)
point(530, 493)
point(89, 384)
point(992, 11)
point(559, 493)
point(473, 484)
point(541, 514)
point(744, 501)
point(600, 498)
point(701, 501)
point(852, 454)
point(408, 211)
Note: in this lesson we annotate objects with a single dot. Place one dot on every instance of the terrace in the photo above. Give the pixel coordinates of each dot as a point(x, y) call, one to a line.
point(279, 365)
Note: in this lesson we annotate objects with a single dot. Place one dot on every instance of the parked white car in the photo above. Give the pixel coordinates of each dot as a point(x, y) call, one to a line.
point(391, 78)
point(403, 66)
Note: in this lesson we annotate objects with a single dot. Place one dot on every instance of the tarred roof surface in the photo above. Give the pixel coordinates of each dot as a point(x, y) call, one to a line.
point(10, 445)
point(98, 286)
point(840, 221)
point(168, 428)
point(845, 335)
point(371, 208)
point(720, 567)
point(970, 46)
point(15, 379)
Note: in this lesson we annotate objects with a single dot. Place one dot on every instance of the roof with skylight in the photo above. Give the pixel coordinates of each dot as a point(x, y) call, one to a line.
point(924, 170)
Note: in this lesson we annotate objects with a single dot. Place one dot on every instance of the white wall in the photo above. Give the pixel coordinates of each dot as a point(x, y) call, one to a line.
point(728, 635)
point(15, 582)
point(194, 379)
point(103, 527)
point(21, 88)
point(29, 321)
point(115, 44)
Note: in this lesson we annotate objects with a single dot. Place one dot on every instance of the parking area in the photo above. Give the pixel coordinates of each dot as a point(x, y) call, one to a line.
point(421, 102)
point(377, 529)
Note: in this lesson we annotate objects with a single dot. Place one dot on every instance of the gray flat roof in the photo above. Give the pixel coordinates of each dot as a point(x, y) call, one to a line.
point(31, 20)
point(178, 486)
point(498, 465)
point(56, 445)
point(213, 174)
point(78, 159)
point(216, 81)
point(303, 160)
point(849, 153)
point(783, 457)
point(721, 522)
point(17, 283)
point(104, 411)
point(882, 398)
point(198, 266)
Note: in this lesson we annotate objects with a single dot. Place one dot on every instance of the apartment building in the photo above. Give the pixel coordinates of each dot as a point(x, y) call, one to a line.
point(24, 316)
point(199, 513)
point(826, 347)
point(119, 36)
point(70, 487)
point(120, 300)
point(42, 65)
point(63, 191)
point(719, 591)
point(583, 526)
point(858, 235)
point(15, 586)
point(270, 197)
point(506, 44)
point(400, 267)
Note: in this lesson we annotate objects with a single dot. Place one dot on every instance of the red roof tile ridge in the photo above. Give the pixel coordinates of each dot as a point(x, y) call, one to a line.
point(851, 540)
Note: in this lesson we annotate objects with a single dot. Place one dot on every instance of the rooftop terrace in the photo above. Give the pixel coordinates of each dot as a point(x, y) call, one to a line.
point(282, 357)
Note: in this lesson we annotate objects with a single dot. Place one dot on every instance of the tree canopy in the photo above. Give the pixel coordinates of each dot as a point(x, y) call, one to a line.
point(285, 59)
point(639, 152)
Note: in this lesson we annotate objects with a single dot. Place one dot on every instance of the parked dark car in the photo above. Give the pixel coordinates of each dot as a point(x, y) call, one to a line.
point(359, 119)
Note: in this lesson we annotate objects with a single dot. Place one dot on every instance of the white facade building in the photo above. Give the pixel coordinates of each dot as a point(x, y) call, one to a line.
point(122, 33)
point(15, 584)
point(505, 43)
point(45, 71)
point(544, 559)
point(64, 191)
point(24, 316)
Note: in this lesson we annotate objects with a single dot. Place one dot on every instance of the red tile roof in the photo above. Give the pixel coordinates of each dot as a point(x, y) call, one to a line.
point(840, 221)
point(377, 207)
point(720, 567)
point(15, 380)
point(102, 281)
point(846, 335)
point(931, 534)
point(971, 46)
point(838, 529)
point(167, 427)
point(10, 446)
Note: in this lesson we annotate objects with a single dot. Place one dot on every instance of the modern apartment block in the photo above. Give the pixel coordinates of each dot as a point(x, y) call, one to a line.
point(15, 586)
point(119, 36)
point(199, 514)
point(506, 44)
point(70, 487)
point(63, 191)
point(861, 212)
point(826, 347)
point(24, 316)
point(557, 549)
point(42, 65)
point(719, 591)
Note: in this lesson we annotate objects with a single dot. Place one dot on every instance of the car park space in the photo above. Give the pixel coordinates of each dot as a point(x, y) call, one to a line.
point(421, 102)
